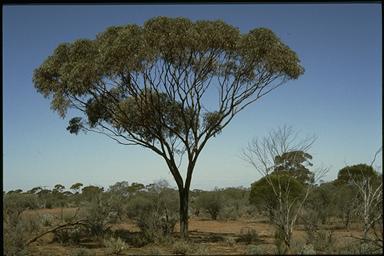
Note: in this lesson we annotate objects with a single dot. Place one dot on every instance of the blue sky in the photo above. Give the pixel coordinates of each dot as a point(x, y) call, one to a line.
point(338, 98)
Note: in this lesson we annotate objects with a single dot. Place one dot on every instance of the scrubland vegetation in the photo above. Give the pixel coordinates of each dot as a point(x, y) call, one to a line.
point(138, 87)
point(133, 218)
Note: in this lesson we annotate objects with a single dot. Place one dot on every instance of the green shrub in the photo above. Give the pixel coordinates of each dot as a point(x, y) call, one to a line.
point(308, 249)
point(99, 217)
point(134, 239)
point(230, 213)
point(155, 213)
point(255, 250)
point(16, 233)
point(360, 248)
point(215, 238)
point(199, 250)
point(47, 220)
point(115, 246)
point(230, 241)
point(211, 202)
point(281, 247)
point(70, 235)
point(320, 240)
point(181, 248)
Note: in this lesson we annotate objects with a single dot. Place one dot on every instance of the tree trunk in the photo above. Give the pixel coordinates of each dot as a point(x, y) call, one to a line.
point(183, 193)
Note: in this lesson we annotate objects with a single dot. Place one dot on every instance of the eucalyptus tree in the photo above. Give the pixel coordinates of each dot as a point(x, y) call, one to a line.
point(169, 85)
point(368, 185)
point(286, 183)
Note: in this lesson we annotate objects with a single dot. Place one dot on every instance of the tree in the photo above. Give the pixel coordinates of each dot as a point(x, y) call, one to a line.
point(91, 192)
point(262, 194)
point(368, 185)
point(212, 202)
point(355, 173)
point(76, 187)
point(153, 85)
point(284, 194)
point(58, 188)
point(120, 188)
point(35, 190)
point(293, 163)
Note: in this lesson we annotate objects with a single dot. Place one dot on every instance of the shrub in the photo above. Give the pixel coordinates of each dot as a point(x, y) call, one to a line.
point(70, 235)
point(115, 246)
point(281, 247)
point(155, 213)
point(215, 238)
point(99, 217)
point(47, 219)
point(155, 227)
point(132, 238)
point(199, 250)
point(229, 213)
point(308, 249)
point(321, 240)
point(15, 233)
point(360, 248)
point(248, 236)
point(181, 248)
point(230, 241)
point(212, 202)
point(255, 250)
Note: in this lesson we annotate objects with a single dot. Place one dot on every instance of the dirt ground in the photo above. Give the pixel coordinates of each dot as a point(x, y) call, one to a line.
point(202, 231)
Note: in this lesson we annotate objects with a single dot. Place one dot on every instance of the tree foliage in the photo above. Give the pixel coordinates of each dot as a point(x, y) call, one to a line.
point(212, 202)
point(356, 172)
point(136, 80)
point(294, 162)
point(262, 193)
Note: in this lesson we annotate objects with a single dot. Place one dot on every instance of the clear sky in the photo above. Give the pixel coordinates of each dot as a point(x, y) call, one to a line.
point(339, 97)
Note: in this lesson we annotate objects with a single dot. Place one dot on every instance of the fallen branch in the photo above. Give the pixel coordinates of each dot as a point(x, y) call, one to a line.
point(79, 222)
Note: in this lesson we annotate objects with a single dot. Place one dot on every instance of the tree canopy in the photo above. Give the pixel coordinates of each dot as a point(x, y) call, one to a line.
point(145, 84)
point(356, 172)
point(263, 194)
point(295, 163)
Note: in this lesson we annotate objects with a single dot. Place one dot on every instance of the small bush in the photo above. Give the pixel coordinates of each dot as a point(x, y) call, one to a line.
point(47, 220)
point(255, 250)
point(308, 249)
point(16, 232)
point(72, 235)
point(154, 227)
point(230, 241)
point(181, 248)
point(115, 246)
point(321, 240)
point(199, 250)
point(248, 236)
point(99, 217)
point(211, 202)
point(134, 239)
point(155, 214)
point(281, 247)
point(360, 248)
point(215, 238)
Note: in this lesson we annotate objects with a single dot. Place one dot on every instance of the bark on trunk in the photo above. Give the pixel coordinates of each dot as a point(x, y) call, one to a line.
point(184, 213)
